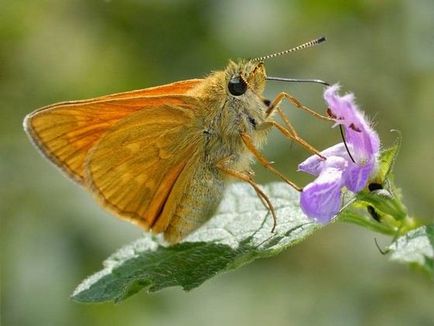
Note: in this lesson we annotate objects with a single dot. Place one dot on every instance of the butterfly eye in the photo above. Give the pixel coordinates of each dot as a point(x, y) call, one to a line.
point(237, 86)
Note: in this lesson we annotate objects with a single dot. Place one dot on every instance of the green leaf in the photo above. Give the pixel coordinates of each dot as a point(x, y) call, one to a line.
point(415, 248)
point(387, 160)
point(239, 233)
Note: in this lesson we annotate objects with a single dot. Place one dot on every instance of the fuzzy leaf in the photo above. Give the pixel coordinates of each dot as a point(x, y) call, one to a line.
point(415, 248)
point(239, 233)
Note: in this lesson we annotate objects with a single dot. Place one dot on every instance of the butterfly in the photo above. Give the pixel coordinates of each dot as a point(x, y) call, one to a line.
point(160, 157)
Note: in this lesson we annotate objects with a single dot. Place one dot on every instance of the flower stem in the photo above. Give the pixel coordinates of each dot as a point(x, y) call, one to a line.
point(390, 217)
point(350, 216)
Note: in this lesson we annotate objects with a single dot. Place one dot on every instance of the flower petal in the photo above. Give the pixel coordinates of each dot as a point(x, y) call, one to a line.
point(348, 164)
point(357, 176)
point(343, 108)
point(321, 199)
point(364, 141)
point(358, 132)
point(315, 164)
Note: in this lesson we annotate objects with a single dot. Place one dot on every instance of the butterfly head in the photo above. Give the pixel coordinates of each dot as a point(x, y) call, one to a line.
point(245, 75)
point(250, 74)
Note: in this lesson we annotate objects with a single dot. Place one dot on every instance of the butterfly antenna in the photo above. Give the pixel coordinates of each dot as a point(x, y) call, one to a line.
point(297, 48)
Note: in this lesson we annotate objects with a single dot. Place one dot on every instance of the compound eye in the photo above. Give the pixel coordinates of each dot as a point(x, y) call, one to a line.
point(237, 86)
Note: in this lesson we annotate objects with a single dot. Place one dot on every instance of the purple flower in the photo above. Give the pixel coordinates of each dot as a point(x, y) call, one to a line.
point(321, 199)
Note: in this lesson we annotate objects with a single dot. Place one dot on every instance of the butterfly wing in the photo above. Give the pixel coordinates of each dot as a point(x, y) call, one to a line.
point(65, 132)
point(143, 160)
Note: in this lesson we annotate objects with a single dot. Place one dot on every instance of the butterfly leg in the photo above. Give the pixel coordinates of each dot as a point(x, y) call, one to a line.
point(263, 160)
point(247, 177)
point(290, 133)
point(291, 99)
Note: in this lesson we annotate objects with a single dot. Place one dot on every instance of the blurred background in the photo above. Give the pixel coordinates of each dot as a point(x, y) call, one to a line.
point(53, 234)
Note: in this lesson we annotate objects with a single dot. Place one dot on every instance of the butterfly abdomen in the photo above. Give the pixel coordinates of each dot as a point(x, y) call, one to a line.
point(200, 198)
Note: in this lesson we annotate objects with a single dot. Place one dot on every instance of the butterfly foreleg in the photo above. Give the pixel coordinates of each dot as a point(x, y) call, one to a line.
point(291, 135)
point(292, 100)
point(263, 160)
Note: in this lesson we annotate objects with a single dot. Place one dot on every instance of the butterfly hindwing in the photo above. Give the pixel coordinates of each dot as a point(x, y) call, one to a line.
point(134, 167)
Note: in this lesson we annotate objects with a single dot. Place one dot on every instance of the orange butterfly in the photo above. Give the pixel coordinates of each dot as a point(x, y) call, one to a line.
point(160, 157)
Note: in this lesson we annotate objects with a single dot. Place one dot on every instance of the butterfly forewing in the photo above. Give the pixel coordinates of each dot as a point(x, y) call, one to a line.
point(65, 132)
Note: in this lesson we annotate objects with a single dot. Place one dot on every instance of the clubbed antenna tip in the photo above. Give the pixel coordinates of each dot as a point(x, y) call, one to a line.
point(297, 48)
point(321, 39)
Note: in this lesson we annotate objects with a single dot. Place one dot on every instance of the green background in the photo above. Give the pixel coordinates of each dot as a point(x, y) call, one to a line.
point(53, 233)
